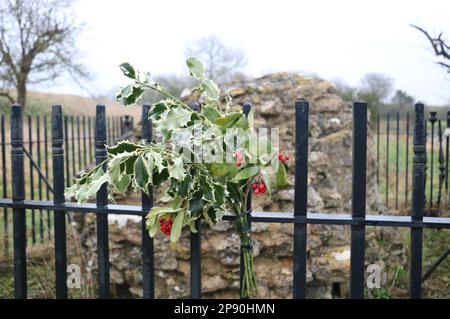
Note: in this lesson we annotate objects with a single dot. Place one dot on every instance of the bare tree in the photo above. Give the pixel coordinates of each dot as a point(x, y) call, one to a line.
point(37, 43)
point(402, 99)
point(222, 63)
point(375, 88)
point(440, 47)
point(174, 84)
point(344, 90)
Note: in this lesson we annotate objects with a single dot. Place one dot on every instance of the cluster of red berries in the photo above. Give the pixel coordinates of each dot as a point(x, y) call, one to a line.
point(239, 157)
point(259, 188)
point(166, 225)
point(282, 157)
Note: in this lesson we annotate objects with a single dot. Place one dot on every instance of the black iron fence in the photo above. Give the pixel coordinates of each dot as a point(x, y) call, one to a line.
point(38, 174)
point(394, 159)
point(300, 217)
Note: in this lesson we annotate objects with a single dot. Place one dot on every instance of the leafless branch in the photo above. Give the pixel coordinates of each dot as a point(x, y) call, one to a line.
point(441, 49)
point(7, 95)
point(37, 42)
point(221, 62)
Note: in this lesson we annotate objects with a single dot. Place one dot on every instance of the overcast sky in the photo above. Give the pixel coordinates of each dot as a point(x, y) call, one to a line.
point(333, 39)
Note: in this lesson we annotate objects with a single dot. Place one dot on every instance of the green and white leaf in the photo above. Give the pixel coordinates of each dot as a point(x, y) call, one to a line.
point(128, 70)
point(196, 68)
point(177, 117)
point(211, 89)
point(141, 173)
point(177, 170)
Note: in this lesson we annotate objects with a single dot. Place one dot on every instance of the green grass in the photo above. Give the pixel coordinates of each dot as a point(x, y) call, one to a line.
point(34, 106)
point(29, 228)
point(435, 242)
point(399, 197)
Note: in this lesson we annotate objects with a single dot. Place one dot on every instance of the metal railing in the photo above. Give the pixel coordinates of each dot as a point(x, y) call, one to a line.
point(79, 144)
point(394, 149)
point(300, 217)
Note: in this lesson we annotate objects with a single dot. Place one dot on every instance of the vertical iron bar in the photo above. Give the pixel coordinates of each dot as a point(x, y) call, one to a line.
point(58, 198)
point(30, 143)
point(300, 197)
point(18, 194)
point(195, 246)
point(113, 129)
point(418, 203)
point(47, 192)
point(378, 149)
point(85, 163)
point(91, 158)
point(148, 263)
point(407, 161)
point(102, 201)
point(116, 127)
point(358, 199)
point(387, 160)
point(108, 129)
point(72, 138)
point(66, 140)
point(447, 142)
point(196, 273)
point(441, 167)
point(38, 149)
point(80, 166)
point(119, 127)
point(426, 164)
point(397, 159)
point(126, 123)
point(5, 189)
point(433, 121)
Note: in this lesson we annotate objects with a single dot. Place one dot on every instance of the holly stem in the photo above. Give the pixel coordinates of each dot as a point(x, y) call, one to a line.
point(249, 286)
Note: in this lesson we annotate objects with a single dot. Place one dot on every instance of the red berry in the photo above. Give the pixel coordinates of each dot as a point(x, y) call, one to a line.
point(239, 157)
point(262, 188)
point(166, 225)
point(283, 158)
point(259, 188)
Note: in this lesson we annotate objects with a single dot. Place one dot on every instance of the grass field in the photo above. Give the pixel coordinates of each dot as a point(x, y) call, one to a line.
point(40, 103)
point(395, 167)
point(395, 173)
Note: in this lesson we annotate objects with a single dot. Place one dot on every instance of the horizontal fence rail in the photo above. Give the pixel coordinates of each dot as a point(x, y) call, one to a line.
point(358, 220)
point(260, 217)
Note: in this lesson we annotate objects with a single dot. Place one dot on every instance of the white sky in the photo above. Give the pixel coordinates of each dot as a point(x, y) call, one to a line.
point(333, 39)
